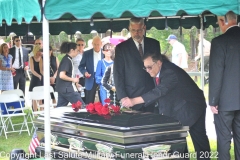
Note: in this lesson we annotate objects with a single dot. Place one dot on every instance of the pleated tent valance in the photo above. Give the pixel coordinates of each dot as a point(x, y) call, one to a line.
point(18, 10)
point(110, 9)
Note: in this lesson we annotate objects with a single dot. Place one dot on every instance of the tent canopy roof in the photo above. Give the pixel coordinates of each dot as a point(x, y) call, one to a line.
point(71, 15)
point(97, 9)
point(19, 10)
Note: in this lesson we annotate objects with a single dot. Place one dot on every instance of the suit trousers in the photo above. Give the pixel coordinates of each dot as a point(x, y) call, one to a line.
point(227, 125)
point(90, 94)
point(19, 80)
point(199, 138)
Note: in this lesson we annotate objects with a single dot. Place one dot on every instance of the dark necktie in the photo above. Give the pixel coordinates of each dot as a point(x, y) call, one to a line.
point(140, 49)
point(157, 80)
point(20, 58)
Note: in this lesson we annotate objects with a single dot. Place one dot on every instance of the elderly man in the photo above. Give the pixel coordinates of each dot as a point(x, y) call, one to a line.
point(179, 54)
point(177, 96)
point(224, 82)
point(88, 67)
point(129, 77)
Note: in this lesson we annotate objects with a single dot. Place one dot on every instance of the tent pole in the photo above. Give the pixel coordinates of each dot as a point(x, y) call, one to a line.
point(46, 68)
point(202, 56)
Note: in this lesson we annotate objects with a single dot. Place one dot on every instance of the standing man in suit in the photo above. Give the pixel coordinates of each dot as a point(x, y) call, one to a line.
point(129, 77)
point(224, 82)
point(88, 67)
point(177, 96)
point(20, 56)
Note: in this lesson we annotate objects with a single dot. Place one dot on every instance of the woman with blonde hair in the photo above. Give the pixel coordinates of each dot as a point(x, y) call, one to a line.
point(6, 76)
point(35, 65)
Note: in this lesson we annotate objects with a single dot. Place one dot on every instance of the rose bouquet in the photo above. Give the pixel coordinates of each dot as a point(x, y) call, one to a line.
point(106, 110)
point(76, 106)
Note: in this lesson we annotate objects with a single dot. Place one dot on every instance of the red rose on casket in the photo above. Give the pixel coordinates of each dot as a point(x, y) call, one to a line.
point(76, 106)
point(116, 109)
point(98, 108)
point(108, 100)
point(91, 108)
point(105, 110)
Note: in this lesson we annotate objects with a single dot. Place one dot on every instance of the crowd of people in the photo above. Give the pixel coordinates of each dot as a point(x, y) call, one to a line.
point(136, 74)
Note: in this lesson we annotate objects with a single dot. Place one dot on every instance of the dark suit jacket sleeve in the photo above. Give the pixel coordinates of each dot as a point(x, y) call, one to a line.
point(168, 81)
point(119, 73)
point(82, 65)
point(216, 69)
point(106, 77)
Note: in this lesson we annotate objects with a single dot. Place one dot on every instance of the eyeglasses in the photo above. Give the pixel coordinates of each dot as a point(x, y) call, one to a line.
point(149, 67)
point(38, 43)
point(138, 30)
point(80, 44)
point(17, 40)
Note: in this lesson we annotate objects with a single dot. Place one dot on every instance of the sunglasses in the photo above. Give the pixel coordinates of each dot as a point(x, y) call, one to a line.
point(149, 67)
point(38, 43)
point(80, 44)
point(17, 40)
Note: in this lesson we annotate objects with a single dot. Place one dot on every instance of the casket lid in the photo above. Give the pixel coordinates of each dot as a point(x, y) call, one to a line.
point(124, 121)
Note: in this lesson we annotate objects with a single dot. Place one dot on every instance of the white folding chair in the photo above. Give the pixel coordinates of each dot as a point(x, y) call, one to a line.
point(20, 93)
point(37, 96)
point(41, 89)
point(6, 118)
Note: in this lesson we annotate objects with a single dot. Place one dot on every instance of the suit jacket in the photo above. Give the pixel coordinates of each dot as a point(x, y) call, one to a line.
point(224, 75)
point(12, 51)
point(131, 80)
point(87, 65)
point(177, 95)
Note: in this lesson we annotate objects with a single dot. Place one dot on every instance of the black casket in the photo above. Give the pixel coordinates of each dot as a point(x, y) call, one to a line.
point(130, 135)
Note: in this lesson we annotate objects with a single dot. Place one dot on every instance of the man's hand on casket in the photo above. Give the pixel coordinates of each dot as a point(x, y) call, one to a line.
point(130, 102)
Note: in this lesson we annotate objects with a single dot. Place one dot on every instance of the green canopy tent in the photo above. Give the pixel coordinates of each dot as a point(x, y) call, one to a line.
point(16, 12)
point(71, 16)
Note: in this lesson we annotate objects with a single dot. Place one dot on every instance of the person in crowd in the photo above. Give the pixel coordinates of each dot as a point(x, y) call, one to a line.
point(6, 76)
point(101, 68)
point(179, 54)
point(35, 66)
point(177, 96)
point(66, 83)
point(76, 61)
point(129, 77)
point(54, 64)
point(109, 85)
point(205, 50)
point(20, 57)
point(89, 45)
point(37, 42)
point(224, 82)
point(88, 66)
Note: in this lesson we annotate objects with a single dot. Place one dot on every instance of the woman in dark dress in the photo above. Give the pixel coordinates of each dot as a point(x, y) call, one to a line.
point(66, 84)
point(54, 64)
point(35, 65)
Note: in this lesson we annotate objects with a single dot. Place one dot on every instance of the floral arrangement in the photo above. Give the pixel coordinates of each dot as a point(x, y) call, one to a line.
point(76, 106)
point(106, 110)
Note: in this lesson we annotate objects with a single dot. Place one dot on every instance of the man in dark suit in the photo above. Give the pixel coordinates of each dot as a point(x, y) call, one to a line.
point(224, 82)
point(176, 95)
point(20, 56)
point(129, 77)
point(88, 67)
